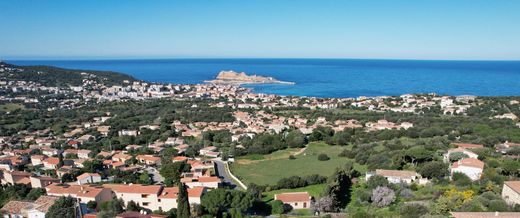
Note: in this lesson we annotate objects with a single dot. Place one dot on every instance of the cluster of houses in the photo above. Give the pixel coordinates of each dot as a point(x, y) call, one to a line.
point(469, 165)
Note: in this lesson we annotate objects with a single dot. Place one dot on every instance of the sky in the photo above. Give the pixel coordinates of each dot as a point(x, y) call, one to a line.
point(379, 29)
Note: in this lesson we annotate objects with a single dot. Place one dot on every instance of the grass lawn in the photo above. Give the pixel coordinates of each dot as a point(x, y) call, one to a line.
point(314, 190)
point(10, 107)
point(269, 170)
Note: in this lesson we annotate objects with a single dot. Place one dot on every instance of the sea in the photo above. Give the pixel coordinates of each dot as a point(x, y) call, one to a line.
point(325, 77)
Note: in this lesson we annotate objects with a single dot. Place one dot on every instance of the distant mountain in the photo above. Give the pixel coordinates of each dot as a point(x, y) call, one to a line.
point(55, 76)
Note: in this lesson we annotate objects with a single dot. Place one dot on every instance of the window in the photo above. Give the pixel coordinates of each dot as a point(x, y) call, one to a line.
point(159, 200)
point(144, 196)
point(145, 203)
point(296, 204)
point(304, 204)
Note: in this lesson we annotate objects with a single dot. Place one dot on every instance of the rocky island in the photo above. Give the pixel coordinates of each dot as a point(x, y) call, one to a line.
point(235, 78)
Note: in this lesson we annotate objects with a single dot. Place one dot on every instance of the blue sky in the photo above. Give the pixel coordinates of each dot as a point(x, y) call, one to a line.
point(396, 29)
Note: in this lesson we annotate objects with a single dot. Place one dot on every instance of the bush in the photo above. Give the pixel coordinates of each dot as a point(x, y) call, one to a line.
point(382, 196)
point(413, 210)
point(292, 157)
point(461, 180)
point(323, 157)
point(375, 181)
point(277, 207)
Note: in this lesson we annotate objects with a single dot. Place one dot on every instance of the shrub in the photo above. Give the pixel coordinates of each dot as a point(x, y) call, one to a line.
point(323, 157)
point(382, 196)
point(292, 157)
point(413, 210)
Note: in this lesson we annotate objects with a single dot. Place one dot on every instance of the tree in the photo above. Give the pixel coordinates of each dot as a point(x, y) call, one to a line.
point(64, 207)
point(456, 156)
point(413, 210)
point(295, 139)
point(172, 171)
point(132, 206)
point(277, 207)
point(382, 196)
point(93, 166)
point(183, 206)
point(461, 179)
point(435, 169)
point(145, 178)
point(324, 204)
point(339, 187)
point(323, 157)
point(111, 208)
point(35, 193)
point(375, 181)
point(216, 201)
point(91, 205)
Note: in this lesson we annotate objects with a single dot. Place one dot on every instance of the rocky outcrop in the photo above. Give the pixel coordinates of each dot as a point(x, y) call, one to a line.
point(232, 77)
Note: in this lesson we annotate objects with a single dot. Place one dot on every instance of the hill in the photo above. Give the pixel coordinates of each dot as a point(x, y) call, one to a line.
point(55, 76)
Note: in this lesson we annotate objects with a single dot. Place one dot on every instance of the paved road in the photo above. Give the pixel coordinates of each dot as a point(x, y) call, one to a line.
point(224, 174)
point(157, 178)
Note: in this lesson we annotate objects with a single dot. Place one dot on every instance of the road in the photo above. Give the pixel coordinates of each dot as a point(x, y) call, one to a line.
point(223, 172)
point(157, 178)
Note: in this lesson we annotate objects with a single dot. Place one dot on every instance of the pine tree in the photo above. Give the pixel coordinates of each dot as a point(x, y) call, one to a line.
point(183, 206)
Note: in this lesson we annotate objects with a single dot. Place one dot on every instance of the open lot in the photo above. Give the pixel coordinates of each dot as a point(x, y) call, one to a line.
point(268, 170)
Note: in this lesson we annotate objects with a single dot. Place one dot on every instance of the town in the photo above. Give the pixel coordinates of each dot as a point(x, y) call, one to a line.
point(120, 147)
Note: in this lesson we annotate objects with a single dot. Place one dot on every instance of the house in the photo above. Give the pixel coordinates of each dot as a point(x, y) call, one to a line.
point(297, 200)
point(42, 181)
point(208, 182)
point(146, 196)
point(511, 192)
point(51, 152)
point(397, 176)
point(51, 163)
point(37, 160)
point(506, 147)
point(459, 150)
point(42, 205)
point(87, 178)
point(36, 209)
point(195, 194)
point(16, 177)
point(84, 193)
point(120, 157)
point(472, 167)
point(154, 197)
point(206, 150)
point(125, 132)
point(84, 154)
point(104, 130)
point(149, 160)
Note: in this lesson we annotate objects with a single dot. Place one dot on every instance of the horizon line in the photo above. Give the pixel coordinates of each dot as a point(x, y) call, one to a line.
point(241, 58)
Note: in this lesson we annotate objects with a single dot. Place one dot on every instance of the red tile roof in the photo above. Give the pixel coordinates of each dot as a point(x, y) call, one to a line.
point(293, 197)
point(469, 162)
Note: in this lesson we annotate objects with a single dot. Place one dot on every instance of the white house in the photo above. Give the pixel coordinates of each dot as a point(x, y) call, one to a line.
point(87, 178)
point(297, 200)
point(472, 167)
point(397, 176)
point(511, 192)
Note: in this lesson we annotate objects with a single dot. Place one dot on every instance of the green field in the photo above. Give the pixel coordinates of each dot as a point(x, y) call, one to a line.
point(267, 170)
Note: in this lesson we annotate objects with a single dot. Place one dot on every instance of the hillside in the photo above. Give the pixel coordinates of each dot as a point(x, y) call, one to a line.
point(54, 76)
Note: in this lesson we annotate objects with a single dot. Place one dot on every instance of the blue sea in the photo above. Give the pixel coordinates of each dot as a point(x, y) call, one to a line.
point(326, 77)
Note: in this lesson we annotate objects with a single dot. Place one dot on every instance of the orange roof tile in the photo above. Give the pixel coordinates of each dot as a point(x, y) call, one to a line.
point(293, 197)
